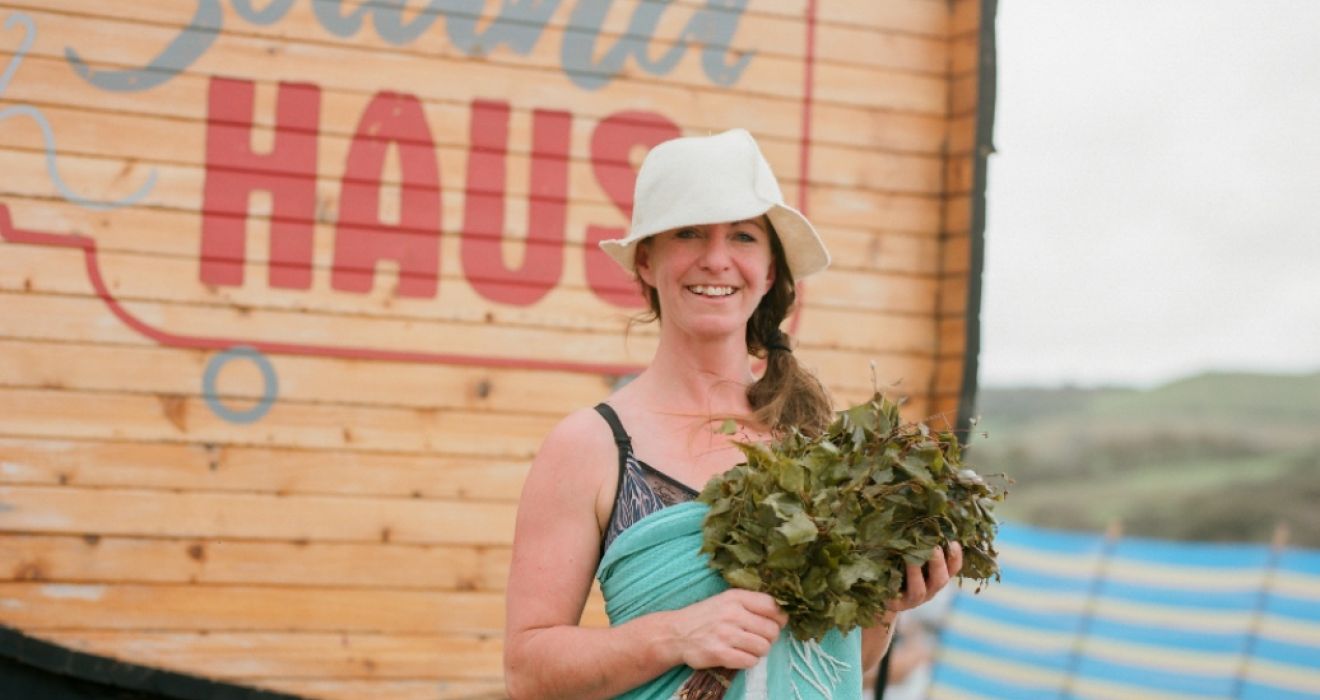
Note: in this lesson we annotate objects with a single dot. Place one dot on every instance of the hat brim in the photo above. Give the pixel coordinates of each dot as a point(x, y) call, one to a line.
point(804, 251)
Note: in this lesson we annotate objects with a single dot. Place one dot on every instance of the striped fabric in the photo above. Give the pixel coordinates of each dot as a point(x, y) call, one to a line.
point(1085, 616)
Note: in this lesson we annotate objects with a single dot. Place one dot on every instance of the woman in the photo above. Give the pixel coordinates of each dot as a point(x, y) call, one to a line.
point(716, 252)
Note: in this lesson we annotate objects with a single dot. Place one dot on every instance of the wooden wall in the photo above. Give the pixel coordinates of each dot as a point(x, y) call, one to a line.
point(334, 518)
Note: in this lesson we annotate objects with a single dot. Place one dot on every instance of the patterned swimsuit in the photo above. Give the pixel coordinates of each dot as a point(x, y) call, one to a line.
point(643, 489)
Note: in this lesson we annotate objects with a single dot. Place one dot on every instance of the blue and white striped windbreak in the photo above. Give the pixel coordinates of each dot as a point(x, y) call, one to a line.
point(1089, 616)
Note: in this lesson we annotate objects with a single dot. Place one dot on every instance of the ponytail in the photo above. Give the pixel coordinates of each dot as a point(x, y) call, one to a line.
point(787, 395)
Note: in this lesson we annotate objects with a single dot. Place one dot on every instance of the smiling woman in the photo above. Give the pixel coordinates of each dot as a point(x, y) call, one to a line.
point(716, 252)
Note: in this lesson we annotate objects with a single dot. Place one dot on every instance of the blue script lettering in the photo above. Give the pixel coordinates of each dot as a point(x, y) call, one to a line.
point(713, 26)
point(273, 13)
point(186, 48)
point(518, 25)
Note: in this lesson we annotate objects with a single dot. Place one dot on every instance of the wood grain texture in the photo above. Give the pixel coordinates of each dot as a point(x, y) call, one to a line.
point(311, 655)
point(214, 560)
point(355, 541)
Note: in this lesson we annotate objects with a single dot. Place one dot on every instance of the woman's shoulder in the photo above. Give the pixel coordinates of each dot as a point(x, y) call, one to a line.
point(581, 439)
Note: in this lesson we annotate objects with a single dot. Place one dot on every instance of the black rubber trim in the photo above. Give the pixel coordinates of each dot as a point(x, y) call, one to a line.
point(985, 122)
point(35, 668)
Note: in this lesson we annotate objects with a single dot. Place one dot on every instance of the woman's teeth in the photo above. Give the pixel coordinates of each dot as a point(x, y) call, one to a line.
point(712, 291)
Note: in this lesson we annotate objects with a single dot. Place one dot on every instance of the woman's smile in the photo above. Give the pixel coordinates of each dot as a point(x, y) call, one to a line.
point(712, 291)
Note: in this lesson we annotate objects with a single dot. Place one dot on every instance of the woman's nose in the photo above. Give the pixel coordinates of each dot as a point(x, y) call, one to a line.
point(715, 254)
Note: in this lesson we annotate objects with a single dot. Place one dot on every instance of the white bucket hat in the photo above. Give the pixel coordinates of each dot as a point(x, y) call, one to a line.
point(697, 180)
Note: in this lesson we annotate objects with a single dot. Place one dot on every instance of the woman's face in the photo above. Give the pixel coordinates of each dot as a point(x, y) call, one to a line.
point(710, 277)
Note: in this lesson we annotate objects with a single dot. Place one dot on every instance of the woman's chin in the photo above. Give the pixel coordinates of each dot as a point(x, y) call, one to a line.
point(711, 329)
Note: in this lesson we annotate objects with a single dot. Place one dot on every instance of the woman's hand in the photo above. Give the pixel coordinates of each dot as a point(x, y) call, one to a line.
point(731, 630)
point(923, 583)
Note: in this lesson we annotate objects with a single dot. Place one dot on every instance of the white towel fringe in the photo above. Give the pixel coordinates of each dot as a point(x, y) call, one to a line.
point(815, 666)
point(757, 681)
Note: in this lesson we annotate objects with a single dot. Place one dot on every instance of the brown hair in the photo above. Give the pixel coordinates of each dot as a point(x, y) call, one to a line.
point(787, 395)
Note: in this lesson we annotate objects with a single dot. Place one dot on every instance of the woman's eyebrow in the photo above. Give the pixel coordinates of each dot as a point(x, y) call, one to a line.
point(754, 222)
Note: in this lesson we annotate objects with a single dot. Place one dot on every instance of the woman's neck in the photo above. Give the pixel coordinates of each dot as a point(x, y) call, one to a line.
point(702, 376)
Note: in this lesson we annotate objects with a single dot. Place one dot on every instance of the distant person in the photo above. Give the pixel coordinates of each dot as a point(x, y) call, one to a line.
point(716, 252)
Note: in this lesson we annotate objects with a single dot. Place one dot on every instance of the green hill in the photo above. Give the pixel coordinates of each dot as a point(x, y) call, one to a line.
point(1222, 456)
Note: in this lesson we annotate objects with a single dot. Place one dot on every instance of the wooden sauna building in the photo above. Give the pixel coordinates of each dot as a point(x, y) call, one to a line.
point(290, 291)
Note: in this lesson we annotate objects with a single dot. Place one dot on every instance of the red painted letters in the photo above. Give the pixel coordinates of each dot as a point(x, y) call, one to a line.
point(483, 217)
point(362, 239)
point(234, 171)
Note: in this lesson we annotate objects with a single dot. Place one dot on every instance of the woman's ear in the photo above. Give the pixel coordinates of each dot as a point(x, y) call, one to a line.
point(642, 262)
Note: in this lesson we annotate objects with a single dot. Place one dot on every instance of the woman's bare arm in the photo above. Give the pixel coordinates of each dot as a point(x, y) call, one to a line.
point(555, 553)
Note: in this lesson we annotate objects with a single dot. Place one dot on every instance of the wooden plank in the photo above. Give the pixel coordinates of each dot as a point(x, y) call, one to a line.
point(924, 17)
point(851, 85)
point(949, 376)
point(957, 214)
point(356, 656)
point(766, 34)
point(180, 188)
point(211, 467)
point(176, 233)
point(768, 81)
point(965, 53)
point(79, 366)
point(959, 173)
point(841, 301)
point(957, 255)
point(251, 326)
point(39, 607)
point(850, 44)
point(154, 418)
point(38, 317)
point(953, 295)
point(184, 418)
point(953, 335)
point(48, 82)
point(845, 289)
point(101, 558)
point(158, 370)
point(388, 690)
point(962, 133)
point(964, 92)
point(85, 320)
point(965, 18)
point(116, 135)
point(903, 17)
point(69, 510)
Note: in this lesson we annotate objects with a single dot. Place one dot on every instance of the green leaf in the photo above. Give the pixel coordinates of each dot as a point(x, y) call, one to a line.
point(799, 529)
point(746, 553)
point(845, 614)
point(785, 505)
point(744, 578)
point(792, 477)
point(860, 569)
point(728, 427)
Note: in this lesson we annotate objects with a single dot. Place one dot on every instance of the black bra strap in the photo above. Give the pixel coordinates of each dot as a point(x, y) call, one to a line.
point(625, 448)
point(616, 426)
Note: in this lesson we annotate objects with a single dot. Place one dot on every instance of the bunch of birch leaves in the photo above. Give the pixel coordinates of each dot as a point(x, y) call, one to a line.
point(826, 524)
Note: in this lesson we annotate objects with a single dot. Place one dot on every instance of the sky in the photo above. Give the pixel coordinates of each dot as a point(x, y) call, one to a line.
point(1153, 205)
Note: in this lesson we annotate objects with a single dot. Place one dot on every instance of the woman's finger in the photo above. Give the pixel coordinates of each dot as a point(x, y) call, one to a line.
point(955, 558)
point(937, 572)
point(915, 587)
point(763, 627)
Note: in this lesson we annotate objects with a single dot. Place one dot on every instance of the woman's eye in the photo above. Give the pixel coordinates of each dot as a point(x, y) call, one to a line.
point(686, 233)
point(745, 237)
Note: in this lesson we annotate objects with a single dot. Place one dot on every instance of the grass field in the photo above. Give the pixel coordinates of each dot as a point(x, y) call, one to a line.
point(1219, 457)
